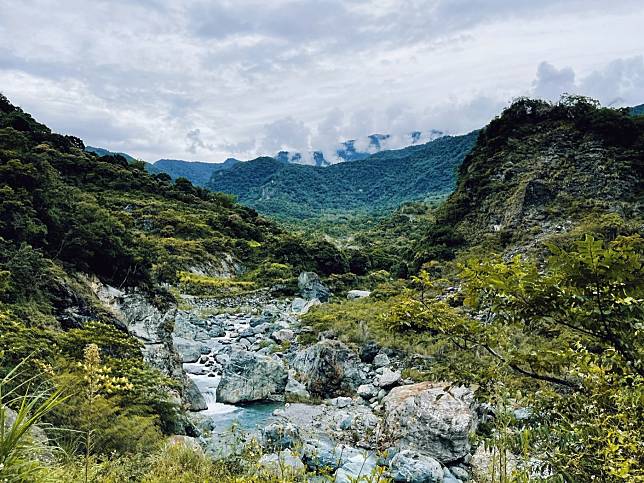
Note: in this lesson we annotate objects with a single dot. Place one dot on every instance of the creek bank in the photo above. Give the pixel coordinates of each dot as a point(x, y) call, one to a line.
point(319, 406)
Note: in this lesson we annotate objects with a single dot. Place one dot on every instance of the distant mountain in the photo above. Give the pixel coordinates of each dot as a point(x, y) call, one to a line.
point(196, 171)
point(105, 152)
point(353, 150)
point(636, 110)
point(381, 181)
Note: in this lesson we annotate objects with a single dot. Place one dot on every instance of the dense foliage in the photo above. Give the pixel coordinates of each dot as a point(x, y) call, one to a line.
point(381, 182)
point(539, 169)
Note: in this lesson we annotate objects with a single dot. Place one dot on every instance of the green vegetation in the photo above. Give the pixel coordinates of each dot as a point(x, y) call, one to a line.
point(381, 182)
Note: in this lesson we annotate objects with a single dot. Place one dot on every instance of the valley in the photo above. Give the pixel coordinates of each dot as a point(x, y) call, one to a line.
point(469, 309)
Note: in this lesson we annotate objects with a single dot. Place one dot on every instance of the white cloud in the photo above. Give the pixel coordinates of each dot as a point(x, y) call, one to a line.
point(211, 79)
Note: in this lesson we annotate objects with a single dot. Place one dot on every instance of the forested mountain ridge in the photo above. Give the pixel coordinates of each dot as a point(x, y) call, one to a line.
point(380, 182)
point(543, 169)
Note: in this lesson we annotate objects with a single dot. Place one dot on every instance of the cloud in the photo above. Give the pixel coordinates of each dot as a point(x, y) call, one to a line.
point(619, 83)
point(209, 79)
point(552, 82)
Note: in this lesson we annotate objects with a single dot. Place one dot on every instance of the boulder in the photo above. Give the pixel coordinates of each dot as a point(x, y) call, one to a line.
point(281, 435)
point(328, 369)
point(295, 388)
point(283, 465)
point(193, 397)
point(357, 294)
point(189, 350)
point(388, 378)
point(357, 468)
point(369, 351)
point(302, 306)
point(412, 467)
point(249, 376)
point(311, 287)
point(381, 360)
point(367, 391)
point(283, 335)
point(432, 418)
point(323, 453)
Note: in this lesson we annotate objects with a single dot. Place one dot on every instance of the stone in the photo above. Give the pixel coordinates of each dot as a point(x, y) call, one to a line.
point(249, 377)
point(196, 369)
point(283, 465)
point(279, 436)
point(325, 453)
point(369, 351)
point(283, 335)
point(189, 350)
point(222, 359)
point(311, 287)
point(485, 462)
point(193, 397)
point(356, 468)
point(358, 294)
point(431, 417)
point(301, 306)
point(381, 360)
point(341, 402)
point(328, 369)
point(388, 378)
point(295, 388)
point(367, 391)
point(460, 473)
point(412, 467)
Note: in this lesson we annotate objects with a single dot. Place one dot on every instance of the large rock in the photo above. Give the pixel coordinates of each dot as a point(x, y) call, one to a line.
point(388, 378)
point(360, 467)
point(430, 419)
point(312, 288)
point(251, 377)
point(193, 397)
point(328, 369)
point(357, 294)
point(283, 465)
point(190, 350)
point(412, 467)
point(302, 306)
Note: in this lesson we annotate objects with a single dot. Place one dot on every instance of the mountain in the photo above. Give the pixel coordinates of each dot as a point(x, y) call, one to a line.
point(380, 181)
point(637, 110)
point(105, 152)
point(197, 172)
point(542, 171)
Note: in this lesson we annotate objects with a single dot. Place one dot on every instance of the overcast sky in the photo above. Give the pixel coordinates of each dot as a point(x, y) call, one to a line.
point(205, 80)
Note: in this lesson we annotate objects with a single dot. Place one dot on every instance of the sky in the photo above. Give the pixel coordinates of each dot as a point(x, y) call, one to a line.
point(207, 80)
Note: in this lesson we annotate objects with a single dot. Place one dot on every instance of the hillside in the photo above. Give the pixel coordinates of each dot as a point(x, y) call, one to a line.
point(89, 245)
point(541, 170)
point(380, 182)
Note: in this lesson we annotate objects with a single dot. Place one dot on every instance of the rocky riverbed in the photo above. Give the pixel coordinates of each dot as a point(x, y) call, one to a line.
point(323, 407)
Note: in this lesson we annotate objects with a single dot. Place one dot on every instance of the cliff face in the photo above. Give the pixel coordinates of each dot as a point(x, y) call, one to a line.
point(539, 170)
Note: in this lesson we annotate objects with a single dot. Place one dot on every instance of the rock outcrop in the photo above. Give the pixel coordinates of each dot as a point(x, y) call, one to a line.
point(312, 288)
point(431, 418)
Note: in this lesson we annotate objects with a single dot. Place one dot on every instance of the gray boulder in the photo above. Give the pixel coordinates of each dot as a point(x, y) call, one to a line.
point(295, 388)
point(367, 391)
point(283, 465)
point(251, 377)
point(388, 378)
point(283, 335)
point(432, 418)
point(357, 468)
point(328, 369)
point(193, 397)
point(381, 360)
point(312, 288)
point(189, 350)
point(412, 467)
point(357, 294)
point(281, 435)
